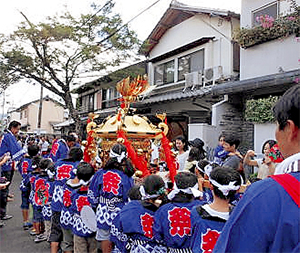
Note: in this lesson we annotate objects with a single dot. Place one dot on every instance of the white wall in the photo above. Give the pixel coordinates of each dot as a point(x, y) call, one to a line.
point(270, 57)
point(218, 52)
point(262, 133)
point(205, 132)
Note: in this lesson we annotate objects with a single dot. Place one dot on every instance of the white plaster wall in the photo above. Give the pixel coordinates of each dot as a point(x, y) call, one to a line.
point(217, 52)
point(262, 133)
point(270, 57)
point(205, 132)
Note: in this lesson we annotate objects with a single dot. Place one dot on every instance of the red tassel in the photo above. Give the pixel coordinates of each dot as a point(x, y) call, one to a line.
point(170, 160)
point(139, 162)
point(90, 140)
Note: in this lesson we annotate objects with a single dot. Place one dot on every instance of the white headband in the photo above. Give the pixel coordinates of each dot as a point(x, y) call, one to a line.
point(225, 189)
point(146, 195)
point(208, 169)
point(85, 183)
point(50, 174)
point(120, 157)
point(190, 190)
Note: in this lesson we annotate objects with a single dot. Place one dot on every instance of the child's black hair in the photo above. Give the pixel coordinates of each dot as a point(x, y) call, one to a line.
point(124, 165)
point(35, 163)
point(70, 138)
point(75, 154)
point(85, 171)
point(45, 164)
point(185, 180)
point(134, 193)
point(194, 154)
point(225, 175)
point(153, 184)
point(33, 150)
point(201, 164)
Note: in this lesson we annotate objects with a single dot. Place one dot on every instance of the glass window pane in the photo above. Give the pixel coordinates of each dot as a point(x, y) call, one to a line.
point(183, 66)
point(270, 10)
point(169, 72)
point(158, 74)
point(197, 61)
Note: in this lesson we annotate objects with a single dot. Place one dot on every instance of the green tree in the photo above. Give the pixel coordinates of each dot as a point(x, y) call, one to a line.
point(55, 52)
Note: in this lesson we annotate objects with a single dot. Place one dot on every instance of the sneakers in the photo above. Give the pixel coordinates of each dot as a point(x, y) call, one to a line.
point(27, 225)
point(7, 217)
point(40, 238)
point(32, 232)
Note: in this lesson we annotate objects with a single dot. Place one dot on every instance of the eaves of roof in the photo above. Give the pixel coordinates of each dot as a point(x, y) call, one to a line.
point(176, 14)
point(263, 85)
point(176, 95)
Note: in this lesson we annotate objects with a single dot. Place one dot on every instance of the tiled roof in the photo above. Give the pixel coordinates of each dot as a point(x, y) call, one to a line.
point(177, 95)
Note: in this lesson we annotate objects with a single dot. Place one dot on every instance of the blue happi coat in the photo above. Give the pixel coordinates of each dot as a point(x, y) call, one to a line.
point(66, 215)
point(79, 200)
point(46, 209)
point(59, 150)
point(172, 225)
point(65, 169)
point(108, 193)
point(24, 166)
point(9, 144)
point(136, 221)
point(117, 236)
point(205, 230)
point(251, 226)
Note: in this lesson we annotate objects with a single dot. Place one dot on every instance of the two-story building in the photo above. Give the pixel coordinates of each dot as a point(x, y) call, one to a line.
point(189, 51)
point(100, 96)
point(52, 113)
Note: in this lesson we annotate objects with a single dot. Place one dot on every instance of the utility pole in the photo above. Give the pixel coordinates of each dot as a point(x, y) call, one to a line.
point(40, 105)
point(40, 110)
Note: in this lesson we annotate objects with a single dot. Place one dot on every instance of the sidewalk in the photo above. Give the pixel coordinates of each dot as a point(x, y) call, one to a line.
point(13, 238)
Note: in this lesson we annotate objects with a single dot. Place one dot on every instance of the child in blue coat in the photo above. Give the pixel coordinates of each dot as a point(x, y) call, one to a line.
point(108, 192)
point(172, 222)
point(208, 220)
point(84, 238)
point(24, 168)
point(137, 217)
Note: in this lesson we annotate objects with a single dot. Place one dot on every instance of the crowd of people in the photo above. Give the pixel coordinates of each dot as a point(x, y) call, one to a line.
point(79, 207)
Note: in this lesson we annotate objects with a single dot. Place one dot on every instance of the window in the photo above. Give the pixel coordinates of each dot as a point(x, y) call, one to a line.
point(26, 113)
point(164, 73)
point(99, 99)
point(190, 63)
point(110, 98)
point(88, 103)
point(271, 10)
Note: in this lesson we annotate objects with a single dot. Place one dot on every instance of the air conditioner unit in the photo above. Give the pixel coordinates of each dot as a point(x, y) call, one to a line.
point(192, 79)
point(212, 74)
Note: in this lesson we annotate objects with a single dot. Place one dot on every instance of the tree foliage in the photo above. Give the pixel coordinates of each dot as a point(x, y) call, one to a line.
point(55, 52)
point(260, 110)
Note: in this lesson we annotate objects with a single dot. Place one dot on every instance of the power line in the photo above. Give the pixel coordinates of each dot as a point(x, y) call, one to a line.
point(128, 22)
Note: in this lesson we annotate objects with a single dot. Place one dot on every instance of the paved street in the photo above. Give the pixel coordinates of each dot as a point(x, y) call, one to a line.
point(12, 236)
